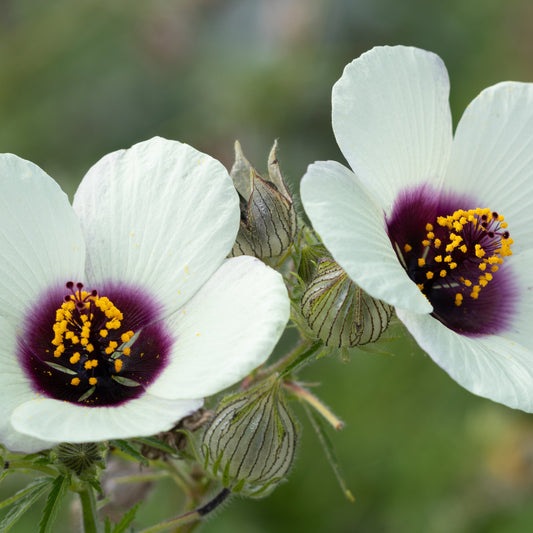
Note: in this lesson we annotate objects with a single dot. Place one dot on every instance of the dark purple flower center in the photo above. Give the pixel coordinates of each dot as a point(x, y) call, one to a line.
point(455, 253)
point(92, 349)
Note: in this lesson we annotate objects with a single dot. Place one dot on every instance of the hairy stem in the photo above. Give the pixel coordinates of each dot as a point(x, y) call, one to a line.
point(88, 507)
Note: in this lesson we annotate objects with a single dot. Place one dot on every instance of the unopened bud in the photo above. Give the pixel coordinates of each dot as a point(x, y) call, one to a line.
point(84, 459)
point(268, 218)
point(340, 313)
point(251, 440)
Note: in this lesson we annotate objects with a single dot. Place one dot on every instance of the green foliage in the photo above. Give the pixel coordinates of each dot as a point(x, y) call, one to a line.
point(55, 498)
point(20, 502)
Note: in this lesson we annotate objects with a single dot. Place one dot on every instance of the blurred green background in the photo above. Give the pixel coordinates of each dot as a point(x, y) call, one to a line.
point(81, 78)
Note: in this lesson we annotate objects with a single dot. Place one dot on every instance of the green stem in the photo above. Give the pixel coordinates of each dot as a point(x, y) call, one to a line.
point(191, 516)
point(23, 465)
point(88, 506)
point(313, 401)
point(285, 361)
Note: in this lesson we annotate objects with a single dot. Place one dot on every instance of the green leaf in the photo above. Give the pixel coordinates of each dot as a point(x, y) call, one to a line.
point(156, 443)
point(107, 525)
point(128, 449)
point(21, 493)
point(331, 456)
point(4, 474)
point(127, 519)
point(55, 497)
point(23, 500)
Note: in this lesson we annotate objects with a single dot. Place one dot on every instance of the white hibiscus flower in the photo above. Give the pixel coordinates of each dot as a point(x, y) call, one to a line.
point(440, 226)
point(120, 313)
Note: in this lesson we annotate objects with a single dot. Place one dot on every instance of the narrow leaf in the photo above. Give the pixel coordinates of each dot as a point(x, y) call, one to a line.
point(23, 500)
point(318, 426)
point(130, 450)
point(156, 443)
point(127, 519)
point(55, 497)
point(21, 493)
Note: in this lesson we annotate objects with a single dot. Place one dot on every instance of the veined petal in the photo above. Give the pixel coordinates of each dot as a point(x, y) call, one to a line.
point(40, 236)
point(520, 325)
point(226, 330)
point(392, 121)
point(492, 156)
point(16, 390)
point(490, 366)
point(352, 226)
point(63, 421)
point(161, 215)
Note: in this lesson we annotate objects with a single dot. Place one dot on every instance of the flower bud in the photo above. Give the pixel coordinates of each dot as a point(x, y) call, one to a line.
point(338, 312)
point(268, 218)
point(84, 459)
point(251, 440)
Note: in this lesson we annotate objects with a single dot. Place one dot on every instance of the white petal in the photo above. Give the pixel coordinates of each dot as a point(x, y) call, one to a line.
point(67, 422)
point(392, 119)
point(14, 390)
point(40, 238)
point(352, 227)
point(226, 330)
point(492, 156)
point(522, 319)
point(161, 215)
point(489, 366)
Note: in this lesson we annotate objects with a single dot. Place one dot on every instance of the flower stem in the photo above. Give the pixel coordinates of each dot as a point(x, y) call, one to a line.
point(313, 401)
point(303, 350)
point(24, 465)
point(191, 516)
point(88, 506)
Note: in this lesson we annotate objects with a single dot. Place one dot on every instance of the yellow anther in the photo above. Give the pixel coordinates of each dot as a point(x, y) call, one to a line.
point(429, 275)
point(118, 365)
point(438, 258)
point(458, 299)
point(103, 333)
point(425, 242)
point(75, 381)
point(419, 285)
point(437, 243)
point(443, 273)
point(479, 251)
point(494, 268)
point(407, 248)
point(125, 337)
point(429, 227)
point(93, 381)
point(89, 348)
point(74, 358)
point(448, 259)
point(126, 351)
point(430, 235)
point(463, 248)
point(452, 266)
point(421, 262)
point(482, 266)
point(59, 350)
